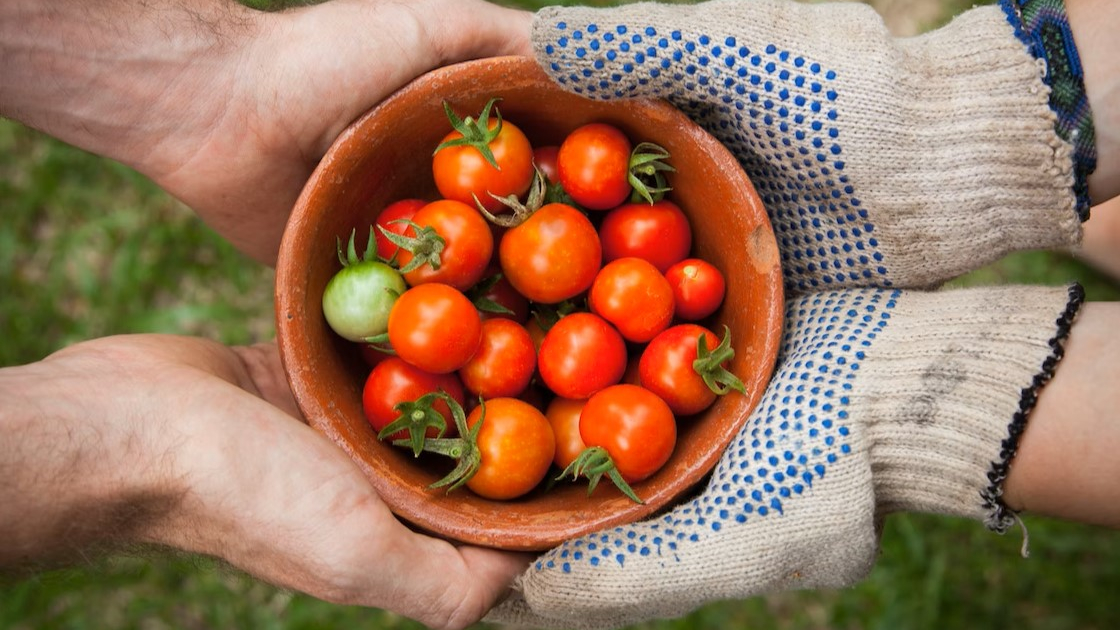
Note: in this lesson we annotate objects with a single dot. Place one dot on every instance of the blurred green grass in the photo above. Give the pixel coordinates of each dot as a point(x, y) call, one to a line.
point(89, 248)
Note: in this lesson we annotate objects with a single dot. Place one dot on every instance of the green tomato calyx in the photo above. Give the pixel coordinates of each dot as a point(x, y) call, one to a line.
point(475, 133)
point(463, 449)
point(709, 365)
point(593, 462)
point(647, 173)
point(426, 246)
point(415, 418)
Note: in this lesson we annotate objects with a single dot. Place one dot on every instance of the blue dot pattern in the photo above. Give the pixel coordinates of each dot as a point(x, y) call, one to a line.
point(800, 429)
point(779, 111)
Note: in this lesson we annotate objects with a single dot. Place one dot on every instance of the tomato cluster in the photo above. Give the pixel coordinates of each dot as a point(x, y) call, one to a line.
point(543, 312)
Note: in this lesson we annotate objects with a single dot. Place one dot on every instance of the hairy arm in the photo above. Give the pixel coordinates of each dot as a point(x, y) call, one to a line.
point(227, 108)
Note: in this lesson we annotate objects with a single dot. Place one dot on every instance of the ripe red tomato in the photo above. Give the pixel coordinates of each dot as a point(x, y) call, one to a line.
point(394, 381)
point(371, 355)
point(545, 159)
point(468, 245)
point(666, 368)
point(634, 425)
point(698, 288)
point(435, 328)
point(551, 256)
point(659, 233)
point(462, 172)
point(633, 295)
point(563, 415)
point(495, 290)
point(505, 361)
point(516, 446)
point(389, 219)
point(594, 166)
point(581, 354)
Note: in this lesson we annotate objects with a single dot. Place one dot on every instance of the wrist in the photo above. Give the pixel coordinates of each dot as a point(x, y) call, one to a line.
point(80, 472)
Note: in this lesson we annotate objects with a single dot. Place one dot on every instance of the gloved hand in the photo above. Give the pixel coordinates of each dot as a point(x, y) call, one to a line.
point(884, 400)
point(885, 163)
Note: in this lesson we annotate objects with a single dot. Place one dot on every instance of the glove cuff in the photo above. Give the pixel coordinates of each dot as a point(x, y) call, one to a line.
point(1043, 26)
point(949, 400)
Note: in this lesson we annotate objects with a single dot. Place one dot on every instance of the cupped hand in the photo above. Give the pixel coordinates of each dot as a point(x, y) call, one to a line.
point(215, 429)
point(257, 128)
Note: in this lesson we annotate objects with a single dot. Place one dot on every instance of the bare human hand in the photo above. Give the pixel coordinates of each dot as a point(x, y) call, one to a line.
point(227, 108)
point(183, 442)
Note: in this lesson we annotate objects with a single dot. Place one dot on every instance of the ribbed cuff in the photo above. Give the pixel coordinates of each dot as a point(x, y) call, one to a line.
point(1043, 26)
point(949, 399)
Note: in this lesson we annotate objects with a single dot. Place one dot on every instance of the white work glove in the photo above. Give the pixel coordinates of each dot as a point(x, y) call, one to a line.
point(887, 163)
point(882, 161)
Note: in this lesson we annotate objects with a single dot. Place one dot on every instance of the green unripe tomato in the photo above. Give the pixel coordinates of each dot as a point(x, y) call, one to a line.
point(357, 300)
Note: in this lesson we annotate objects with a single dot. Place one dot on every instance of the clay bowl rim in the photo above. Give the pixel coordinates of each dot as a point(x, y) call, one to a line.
point(310, 352)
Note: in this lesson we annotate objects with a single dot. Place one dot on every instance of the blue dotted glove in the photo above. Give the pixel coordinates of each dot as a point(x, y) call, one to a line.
point(887, 164)
point(884, 400)
point(883, 162)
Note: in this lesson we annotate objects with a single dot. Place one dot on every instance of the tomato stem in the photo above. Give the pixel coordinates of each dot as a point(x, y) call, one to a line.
point(521, 211)
point(475, 133)
point(351, 256)
point(463, 449)
point(415, 417)
point(709, 365)
point(647, 173)
point(426, 246)
point(593, 462)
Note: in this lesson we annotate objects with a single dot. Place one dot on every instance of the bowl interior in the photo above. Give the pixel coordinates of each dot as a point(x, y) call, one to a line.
point(385, 156)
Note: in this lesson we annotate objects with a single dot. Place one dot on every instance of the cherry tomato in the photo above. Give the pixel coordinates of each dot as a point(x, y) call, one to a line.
point(698, 288)
point(633, 295)
point(390, 219)
point(553, 255)
point(494, 290)
point(581, 354)
point(594, 166)
point(468, 245)
point(516, 447)
point(359, 297)
point(666, 369)
point(505, 361)
point(634, 425)
point(435, 328)
point(545, 160)
point(394, 381)
point(563, 415)
point(371, 355)
point(658, 233)
point(462, 172)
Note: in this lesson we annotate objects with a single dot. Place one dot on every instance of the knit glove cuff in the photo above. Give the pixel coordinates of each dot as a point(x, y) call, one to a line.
point(949, 393)
point(882, 161)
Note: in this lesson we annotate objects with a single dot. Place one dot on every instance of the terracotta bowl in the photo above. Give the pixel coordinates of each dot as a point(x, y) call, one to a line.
point(386, 155)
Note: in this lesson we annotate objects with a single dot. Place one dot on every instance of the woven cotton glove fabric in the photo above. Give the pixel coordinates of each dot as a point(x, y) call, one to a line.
point(883, 400)
point(882, 161)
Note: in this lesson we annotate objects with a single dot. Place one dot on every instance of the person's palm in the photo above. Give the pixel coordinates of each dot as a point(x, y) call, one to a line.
point(265, 492)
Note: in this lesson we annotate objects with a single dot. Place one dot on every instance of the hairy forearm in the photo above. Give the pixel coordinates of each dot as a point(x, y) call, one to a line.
point(72, 481)
point(117, 76)
point(1094, 24)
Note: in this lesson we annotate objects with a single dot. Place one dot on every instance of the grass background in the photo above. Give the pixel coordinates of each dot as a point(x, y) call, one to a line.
point(89, 248)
